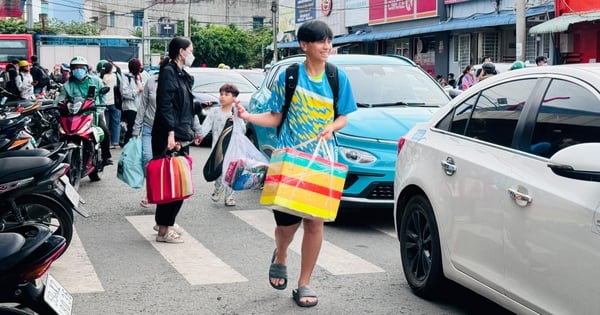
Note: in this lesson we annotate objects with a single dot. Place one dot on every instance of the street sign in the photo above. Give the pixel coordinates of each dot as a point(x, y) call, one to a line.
point(166, 29)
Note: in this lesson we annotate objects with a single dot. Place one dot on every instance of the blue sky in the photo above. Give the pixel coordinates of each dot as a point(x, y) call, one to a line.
point(66, 10)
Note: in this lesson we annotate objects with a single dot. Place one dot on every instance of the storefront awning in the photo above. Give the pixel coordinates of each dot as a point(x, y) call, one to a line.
point(561, 23)
point(506, 17)
point(293, 44)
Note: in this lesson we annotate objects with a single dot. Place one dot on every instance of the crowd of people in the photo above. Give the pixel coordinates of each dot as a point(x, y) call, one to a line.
point(160, 110)
point(470, 76)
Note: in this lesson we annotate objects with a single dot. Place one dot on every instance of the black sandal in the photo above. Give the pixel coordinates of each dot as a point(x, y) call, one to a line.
point(304, 292)
point(278, 271)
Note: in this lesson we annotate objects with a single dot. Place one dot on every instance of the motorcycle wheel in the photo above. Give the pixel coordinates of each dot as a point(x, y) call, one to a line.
point(41, 209)
point(95, 175)
point(75, 170)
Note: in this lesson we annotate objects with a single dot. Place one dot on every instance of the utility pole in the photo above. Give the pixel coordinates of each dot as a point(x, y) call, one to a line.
point(147, 58)
point(520, 29)
point(274, 5)
point(29, 16)
point(188, 22)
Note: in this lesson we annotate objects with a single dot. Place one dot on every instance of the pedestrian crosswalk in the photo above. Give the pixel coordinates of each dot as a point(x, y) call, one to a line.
point(188, 257)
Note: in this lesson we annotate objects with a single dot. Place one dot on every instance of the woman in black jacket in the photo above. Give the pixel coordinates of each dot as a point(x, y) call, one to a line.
point(173, 123)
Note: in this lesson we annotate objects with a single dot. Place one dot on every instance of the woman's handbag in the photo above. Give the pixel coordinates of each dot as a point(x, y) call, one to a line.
point(169, 178)
point(130, 168)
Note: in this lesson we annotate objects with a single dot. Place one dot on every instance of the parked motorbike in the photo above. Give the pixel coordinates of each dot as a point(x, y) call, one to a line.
point(34, 188)
point(79, 130)
point(26, 254)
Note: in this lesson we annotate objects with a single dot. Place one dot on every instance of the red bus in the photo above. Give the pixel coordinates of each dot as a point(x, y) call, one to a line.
point(15, 46)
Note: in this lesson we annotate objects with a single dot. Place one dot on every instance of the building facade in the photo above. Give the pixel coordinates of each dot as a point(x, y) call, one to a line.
point(575, 29)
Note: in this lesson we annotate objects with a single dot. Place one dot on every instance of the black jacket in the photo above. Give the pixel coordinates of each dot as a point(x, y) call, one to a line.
point(174, 103)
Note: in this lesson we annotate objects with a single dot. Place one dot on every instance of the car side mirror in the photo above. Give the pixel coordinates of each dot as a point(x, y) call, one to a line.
point(579, 161)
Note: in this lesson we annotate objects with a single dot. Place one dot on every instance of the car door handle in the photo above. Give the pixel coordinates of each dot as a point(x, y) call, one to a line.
point(521, 198)
point(448, 166)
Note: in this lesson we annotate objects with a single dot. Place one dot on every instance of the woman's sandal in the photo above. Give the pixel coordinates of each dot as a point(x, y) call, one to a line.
point(170, 237)
point(304, 292)
point(277, 271)
point(176, 227)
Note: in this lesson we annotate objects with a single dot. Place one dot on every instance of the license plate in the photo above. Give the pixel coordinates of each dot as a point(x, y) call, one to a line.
point(71, 193)
point(57, 297)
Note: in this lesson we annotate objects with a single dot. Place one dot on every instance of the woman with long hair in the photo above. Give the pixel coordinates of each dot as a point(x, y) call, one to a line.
point(173, 123)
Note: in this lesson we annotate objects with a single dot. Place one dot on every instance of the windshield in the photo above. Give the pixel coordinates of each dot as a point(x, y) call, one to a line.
point(211, 82)
point(393, 85)
point(254, 76)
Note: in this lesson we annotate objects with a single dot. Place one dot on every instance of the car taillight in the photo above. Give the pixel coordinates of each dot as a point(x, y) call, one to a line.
point(40, 269)
point(400, 144)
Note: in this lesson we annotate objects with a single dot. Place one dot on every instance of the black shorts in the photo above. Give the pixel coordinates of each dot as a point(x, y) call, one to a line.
point(285, 219)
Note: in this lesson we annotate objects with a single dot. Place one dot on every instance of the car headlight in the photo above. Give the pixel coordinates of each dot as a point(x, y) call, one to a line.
point(357, 156)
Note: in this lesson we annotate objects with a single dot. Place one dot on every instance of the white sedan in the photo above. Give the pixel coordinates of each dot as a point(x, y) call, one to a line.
point(500, 192)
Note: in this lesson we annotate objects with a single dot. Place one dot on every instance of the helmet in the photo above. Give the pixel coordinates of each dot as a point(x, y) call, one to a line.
point(488, 67)
point(99, 65)
point(64, 66)
point(517, 65)
point(23, 63)
point(78, 60)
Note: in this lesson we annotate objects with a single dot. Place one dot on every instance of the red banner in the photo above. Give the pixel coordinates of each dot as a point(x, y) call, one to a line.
point(11, 8)
point(387, 11)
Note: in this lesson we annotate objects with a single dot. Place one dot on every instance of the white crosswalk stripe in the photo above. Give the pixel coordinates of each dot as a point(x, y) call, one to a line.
point(332, 258)
point(75, 271)
point(188, 257)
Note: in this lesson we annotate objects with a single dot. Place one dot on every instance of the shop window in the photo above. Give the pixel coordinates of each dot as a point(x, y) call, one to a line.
point(489, 46)
point(464, 50)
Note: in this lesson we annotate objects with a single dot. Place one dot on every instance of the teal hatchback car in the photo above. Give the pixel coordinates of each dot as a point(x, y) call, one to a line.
point(392, 93)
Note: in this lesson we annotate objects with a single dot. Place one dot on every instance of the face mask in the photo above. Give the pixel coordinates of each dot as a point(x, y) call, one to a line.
point(189, 59)
point(79, 73)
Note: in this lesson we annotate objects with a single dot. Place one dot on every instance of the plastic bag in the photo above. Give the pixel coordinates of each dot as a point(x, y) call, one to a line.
point(244, 166)
point(130, 168)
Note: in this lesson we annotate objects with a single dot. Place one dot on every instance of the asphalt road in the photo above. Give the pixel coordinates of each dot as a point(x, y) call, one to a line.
point(114, 266)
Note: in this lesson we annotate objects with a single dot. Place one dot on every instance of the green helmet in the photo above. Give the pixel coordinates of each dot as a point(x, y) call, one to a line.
point(78, 60)
point(517, 65)
point(100, 64)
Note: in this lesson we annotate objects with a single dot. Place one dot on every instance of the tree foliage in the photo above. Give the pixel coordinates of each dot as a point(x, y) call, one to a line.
point(213, 44)
point(19, 26)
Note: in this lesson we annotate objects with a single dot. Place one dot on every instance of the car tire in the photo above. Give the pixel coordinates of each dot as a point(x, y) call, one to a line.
point(420, 249)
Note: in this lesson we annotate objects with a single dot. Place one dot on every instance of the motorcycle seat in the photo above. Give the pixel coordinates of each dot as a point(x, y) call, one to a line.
point(17, 153)
point(10, 243)
point(15, 168)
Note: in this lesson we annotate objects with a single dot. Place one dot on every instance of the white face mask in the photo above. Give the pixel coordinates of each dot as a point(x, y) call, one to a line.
point(189, 59)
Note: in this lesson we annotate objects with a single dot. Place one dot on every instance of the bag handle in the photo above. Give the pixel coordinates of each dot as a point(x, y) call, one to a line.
point(180, 152)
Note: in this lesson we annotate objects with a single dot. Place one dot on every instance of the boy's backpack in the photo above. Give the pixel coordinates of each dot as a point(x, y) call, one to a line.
point(117, 92)
point(291, 80)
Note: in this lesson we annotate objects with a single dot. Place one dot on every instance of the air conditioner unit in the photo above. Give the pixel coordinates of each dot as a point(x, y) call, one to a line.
point(566, 42)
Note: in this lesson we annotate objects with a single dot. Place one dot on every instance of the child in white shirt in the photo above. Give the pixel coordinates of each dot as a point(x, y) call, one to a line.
point(214, 122)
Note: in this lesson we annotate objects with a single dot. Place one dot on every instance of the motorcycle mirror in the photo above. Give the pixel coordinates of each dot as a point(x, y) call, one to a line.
point(91, 93)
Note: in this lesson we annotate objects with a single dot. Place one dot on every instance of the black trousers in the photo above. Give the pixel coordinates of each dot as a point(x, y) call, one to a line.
point(105, 144)
point(166, 212)
point(129, 117)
